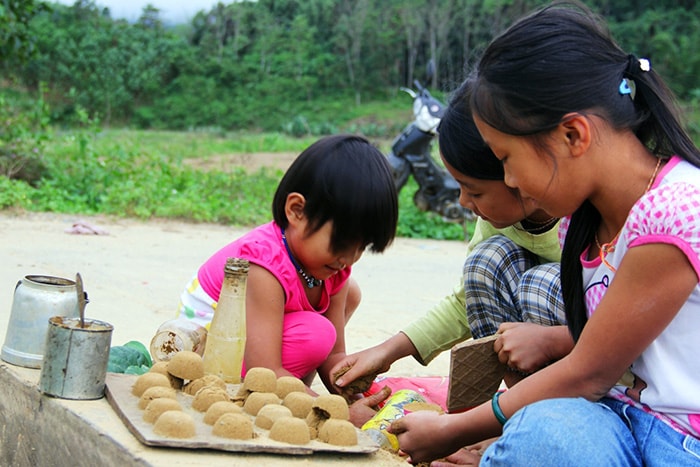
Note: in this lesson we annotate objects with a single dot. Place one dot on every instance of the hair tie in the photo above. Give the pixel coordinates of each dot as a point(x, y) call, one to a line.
point(634, 65)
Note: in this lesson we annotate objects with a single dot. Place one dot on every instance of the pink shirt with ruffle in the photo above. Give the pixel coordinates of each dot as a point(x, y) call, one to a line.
point(264, 247)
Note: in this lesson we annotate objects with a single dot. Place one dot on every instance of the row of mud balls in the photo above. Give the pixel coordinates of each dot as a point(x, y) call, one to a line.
point(280, 405)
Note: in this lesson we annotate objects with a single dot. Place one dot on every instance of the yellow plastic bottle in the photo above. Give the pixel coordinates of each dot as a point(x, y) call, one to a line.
point(376, 428)
point(223, 354)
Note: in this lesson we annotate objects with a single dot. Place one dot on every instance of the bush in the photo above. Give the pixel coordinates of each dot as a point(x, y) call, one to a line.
point(298, 126)
point(23, 132)
point(15, 194)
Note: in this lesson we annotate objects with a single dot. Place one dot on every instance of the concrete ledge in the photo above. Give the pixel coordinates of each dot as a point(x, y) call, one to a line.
point(41, 430)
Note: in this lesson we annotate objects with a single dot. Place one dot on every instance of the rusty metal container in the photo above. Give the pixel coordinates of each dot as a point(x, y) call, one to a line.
point(75, 358)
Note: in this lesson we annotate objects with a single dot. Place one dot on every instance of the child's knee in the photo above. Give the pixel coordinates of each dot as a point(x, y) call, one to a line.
point(552, 432)
point(307, 340)
point(353, 299)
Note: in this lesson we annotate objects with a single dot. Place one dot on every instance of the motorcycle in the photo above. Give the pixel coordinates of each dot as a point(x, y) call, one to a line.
point(410, 154)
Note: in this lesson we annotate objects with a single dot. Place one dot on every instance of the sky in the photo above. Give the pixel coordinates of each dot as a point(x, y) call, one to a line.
point(171, 11)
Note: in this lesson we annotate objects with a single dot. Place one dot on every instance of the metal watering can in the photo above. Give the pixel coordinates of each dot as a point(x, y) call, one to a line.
point(36, 299)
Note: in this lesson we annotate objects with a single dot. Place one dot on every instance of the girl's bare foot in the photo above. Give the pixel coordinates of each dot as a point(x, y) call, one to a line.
point(470, 455)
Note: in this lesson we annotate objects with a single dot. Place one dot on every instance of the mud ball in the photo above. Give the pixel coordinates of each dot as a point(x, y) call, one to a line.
point(156, 407)
point(186, 365)
point(338, 432)
point(299, 403)
point(257, 400)
point(290, 430)
point(325, 407)
point(331, 406)
point(162, 367)
point(269, 414)
point(358, 386)
point(175, 424)
point(218, 408)
point(194, 386)
point(148, 380)
point(257, 379)
point(155, 392)
point(233, 426)
point(206, 396)
point(287, 384)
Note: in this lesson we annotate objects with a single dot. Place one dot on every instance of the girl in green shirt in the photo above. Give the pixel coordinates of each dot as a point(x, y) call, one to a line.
point(510, 283)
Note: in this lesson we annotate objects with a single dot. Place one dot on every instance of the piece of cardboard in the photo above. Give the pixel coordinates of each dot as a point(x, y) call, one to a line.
point(125, 404)
point(475, 374)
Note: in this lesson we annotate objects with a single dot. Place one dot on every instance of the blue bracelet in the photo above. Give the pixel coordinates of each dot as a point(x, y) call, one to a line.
point(500, 416)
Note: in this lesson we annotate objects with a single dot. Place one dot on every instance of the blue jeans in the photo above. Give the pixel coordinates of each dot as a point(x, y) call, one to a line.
point(575, 432)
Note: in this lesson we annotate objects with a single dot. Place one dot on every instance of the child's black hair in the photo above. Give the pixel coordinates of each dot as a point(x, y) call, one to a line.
point(346, 180)
point(461, 144)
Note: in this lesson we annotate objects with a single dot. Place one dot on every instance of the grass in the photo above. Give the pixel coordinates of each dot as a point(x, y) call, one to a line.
point(135, 173)
point(198, 144)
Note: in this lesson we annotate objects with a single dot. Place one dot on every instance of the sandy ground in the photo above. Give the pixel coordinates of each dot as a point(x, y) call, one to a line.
point(135, 272)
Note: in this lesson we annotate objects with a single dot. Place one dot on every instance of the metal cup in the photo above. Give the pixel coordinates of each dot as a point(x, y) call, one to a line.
point(75, 358)
point(36, 299)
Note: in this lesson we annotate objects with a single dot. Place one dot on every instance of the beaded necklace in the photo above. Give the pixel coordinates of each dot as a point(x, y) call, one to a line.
point(538, 227)
point(609, 247)
point(311, 281)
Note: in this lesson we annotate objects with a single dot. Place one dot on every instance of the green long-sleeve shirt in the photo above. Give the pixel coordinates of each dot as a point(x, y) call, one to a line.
point(445, 324)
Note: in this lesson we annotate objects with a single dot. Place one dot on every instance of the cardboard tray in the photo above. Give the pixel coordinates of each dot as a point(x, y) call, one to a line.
point(475, 374)
point(125, 404)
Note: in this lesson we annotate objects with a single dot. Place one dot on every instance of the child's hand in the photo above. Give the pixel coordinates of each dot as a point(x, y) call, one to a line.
point(525, 347)
point(365, 364)
point(423, 436)
point(364, 409)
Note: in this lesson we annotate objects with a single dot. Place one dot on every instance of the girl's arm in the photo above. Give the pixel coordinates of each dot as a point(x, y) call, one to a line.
point(444, 325)
point(336, 315)
point(264, 321)
point(651, 285)
point(373, 360)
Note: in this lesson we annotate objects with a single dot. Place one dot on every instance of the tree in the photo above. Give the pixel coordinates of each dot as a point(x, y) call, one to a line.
point(15, 40)
point(349, 34)
point(439, 18)
point(412, 13)
point(230, 66)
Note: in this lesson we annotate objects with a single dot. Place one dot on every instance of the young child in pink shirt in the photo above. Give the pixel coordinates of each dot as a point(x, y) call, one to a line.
point(335, 200)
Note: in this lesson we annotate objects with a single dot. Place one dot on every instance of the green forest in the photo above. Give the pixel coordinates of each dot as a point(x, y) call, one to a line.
point(271, 64)
point(102, 116)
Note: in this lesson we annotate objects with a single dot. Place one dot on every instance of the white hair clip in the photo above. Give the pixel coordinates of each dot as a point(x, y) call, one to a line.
point(644, 64)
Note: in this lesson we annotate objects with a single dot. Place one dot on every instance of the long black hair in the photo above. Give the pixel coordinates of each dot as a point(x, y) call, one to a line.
point(348, 181)
point(562, 59)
